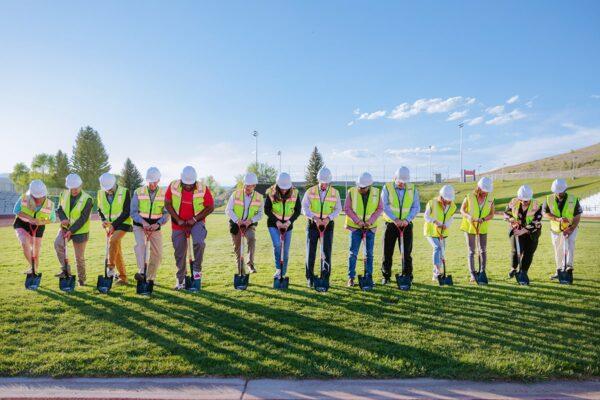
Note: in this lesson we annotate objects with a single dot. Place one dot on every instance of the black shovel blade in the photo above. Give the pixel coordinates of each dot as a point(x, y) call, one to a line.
point(481, 278)
point(32, 281)
point(281, 283)
point(441, 280)
point(144, 287)
point(240, 282)
point(67, 284)
point(565, 277)
point(366, 282)
point(522, 278)
point(448, 280)
point(191, 284)
point(403, 281)
point(104, 284)
point(321, 284)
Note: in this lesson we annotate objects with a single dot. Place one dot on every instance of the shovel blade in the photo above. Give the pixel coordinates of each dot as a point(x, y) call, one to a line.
point(144, 287)
point(366, 282)
point(240, 282)
point(281, 283)
point(192, 285)
point(565, 277)
point(321, 284)
point(448, 280)
point(104, 284)
point(32, 281)
point(403, 281)
point(481, 278)
point(522, 278)
point(67, 284)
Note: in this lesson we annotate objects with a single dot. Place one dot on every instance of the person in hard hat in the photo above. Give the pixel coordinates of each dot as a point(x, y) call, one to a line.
point(33, 211)
point(149, 214)
point(362, 206)
point(524, 217)
point(74, 210)
point(189, 202)
point(564, 212)
point(282, 208)
point(439, 214)
point(245, 209)
point(321, 204)
point(400, 206)
point(114, 203)
point(477, 209)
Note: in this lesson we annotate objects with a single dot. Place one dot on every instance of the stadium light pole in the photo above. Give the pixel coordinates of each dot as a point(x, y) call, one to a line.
point(460, 127)
point(430, 176)
point(279, 154)
point(255, 134)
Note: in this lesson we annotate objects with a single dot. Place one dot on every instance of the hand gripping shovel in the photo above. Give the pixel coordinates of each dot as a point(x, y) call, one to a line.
point(33, 280)
point(105, 282)
point(66, 283)
point(365, 282)
point(521, 275)
point(403, 281)
point(241, 280)
point(322, 282)
point(191, 284)
point(144, 286)
point(444, 279)
point(283, 281)
point(480, 275)
point(565, 276)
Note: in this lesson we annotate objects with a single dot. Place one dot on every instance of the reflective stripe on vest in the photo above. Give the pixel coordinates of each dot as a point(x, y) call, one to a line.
point(436, 211)
point(400, 207)
point(322, 208)
point(239, 205)
point(197, 196)
point(283, 213)
point(515, 204)
point(364, 213)
point(568, 211)
point(44, 213)
point(148, 208)
point(112, 210)
point(74, 214)
point(476, 213)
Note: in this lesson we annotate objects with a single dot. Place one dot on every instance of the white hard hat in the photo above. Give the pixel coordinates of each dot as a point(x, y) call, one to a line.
point(107, 181)
point(284, 181)
point(402, 174)
point(324, 175)
point(37, 189)
point(189, 175)
point(559, 186)
point(524, 193)
point(486, 184)
point(250, 179)
point(73, 181)
point(152, 175)
point(364, 180)
point(447, 193)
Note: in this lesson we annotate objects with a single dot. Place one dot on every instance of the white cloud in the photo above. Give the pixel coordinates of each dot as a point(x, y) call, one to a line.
point(496, 110)
point(350, 123)
point(356, 111)
point(429, 106)
point(502, 119)
point(513, 99)
point(470, 100)
point(475, 121)
point(373, 115)
point(595, 96)
point(352, 154)
point(457, 115)
point(415, 150)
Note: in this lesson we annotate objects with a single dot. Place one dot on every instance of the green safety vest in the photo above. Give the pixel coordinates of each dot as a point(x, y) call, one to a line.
point(515, 205)
point(436, 211)
point(476, 212)
point(400, 207)
point(358, 206)
point(28, 208)
point(148, 208)
point(75, 213)
point(239, 206)
point(323, 208)
point(283, 213)
point(197, 197)
point(112, 210)
point(568, 211)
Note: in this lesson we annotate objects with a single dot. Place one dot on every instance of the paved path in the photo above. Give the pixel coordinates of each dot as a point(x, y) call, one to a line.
point(271, 389)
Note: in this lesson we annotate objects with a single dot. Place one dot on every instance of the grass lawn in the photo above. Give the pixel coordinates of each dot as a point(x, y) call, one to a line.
point(501, 331)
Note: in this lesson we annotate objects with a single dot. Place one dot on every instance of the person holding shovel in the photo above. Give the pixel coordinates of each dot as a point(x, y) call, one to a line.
point(524, 217)
point(477, 210)
point(564, 212)
point(189, 202)
point(74, 210)
point(114, 203)
point(282, 208)
point(363, 207)
point(245, 209)
point(439, 214)
point(321, 204)
point(33, 211)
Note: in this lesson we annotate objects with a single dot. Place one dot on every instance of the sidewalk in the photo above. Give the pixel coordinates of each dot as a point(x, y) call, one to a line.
point(272, 389)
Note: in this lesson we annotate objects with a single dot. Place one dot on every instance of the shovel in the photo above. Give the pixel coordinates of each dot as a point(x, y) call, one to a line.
point(66, 283)
point(521, 275)
point(144, 286)
point(444, 279)
point(365, 282)
point(240, 280)
point(105, 282)
point(322, 282)
point(565, 276)
point(480, 275)
point(283, 281)
point(33, 280)
point(403, 281)
point(191, 284)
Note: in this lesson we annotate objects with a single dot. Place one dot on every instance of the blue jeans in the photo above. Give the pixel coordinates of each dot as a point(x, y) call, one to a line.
point(274, 232)
point(355, 240)
point(437, 251)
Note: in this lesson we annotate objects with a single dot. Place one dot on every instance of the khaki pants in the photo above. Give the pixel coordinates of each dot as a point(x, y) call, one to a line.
point(198, 236)
point(115, 254)
point(558, 241)
point(59, 247)
point(250, 246)
point(156, 247)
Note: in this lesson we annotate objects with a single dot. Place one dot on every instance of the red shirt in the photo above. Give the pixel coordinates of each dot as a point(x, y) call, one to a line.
point(186, 211)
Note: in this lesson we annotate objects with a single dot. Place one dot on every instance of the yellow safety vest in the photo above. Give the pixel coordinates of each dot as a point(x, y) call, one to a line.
point(148, 208)
point(28, 208)
point(322, 208)
point(568, 211)
point(401, 208)
point(475, 212)
point(239, 206)
point(75, 213)
point(112, 210)
point(197, 197)
point(515, 205)
point(436, 211)
point(281, 212)
point(358, 206)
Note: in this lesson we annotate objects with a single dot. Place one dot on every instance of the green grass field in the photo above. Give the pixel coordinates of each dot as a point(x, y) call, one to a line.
point(501, 331)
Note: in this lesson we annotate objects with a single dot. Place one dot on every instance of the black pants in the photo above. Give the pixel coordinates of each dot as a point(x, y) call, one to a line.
point(391, 236)
point(312, 242)
point(528, 244)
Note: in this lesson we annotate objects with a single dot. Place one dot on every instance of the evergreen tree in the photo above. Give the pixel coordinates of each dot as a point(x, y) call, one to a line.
point(315, 163)
point(264, 172)
point(20, 175)
point(62, 169)
point(89, 159)
point(130, 176)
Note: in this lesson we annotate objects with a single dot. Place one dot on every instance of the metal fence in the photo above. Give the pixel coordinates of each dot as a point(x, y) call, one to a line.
point(568, 174)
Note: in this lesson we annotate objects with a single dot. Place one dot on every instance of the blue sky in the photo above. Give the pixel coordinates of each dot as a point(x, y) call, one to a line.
point(372, 84)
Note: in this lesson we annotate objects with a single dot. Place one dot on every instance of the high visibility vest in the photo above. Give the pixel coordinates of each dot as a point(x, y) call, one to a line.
point(239, 206)
point(400, 207)
point(476, 213)
point(568, 211)
point(197, 197)
point(283, 213)
point(515, 205)
point(28, 208)
point(75, 213)
point(112, 210)
point(358, 206)
point(148, 208)
point(322, 208)
point(436, 211)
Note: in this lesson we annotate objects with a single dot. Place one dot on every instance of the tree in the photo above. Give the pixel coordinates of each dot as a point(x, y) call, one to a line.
point(42, 167)
point(315, 163)
point(264, 172)
point(20, 175)
point(130, 176)
point(89, 159)
point(61, 170)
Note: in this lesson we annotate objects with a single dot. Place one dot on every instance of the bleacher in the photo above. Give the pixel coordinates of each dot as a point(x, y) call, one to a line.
point(591, 205)
point(7, 202)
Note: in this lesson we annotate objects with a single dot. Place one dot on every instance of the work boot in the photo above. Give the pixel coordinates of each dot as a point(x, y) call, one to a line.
point(512, 273)
point(139, 276)
point(350, 282)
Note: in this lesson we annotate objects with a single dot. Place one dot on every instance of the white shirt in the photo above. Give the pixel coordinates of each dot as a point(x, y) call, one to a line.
point(247, 200)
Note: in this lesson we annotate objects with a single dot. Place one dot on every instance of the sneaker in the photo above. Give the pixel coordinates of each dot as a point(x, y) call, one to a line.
point(569, 268)
point(110, 273)
point(252, 269)
point(197, 275)
point(555, 276)
point(434, 277)
point(350, 282)
point(309, 283)
point(277, 274)
point(179, 285)
point(28, 271)
point(61, 274)
point(81, 282)
point(472, 279)
point(121, 282)
point(512, 273)
point(385, 281)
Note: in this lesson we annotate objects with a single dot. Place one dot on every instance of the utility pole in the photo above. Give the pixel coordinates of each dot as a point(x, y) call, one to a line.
point(430, 176)
point(255, 134)
point(460, 127)
point(279, 154)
